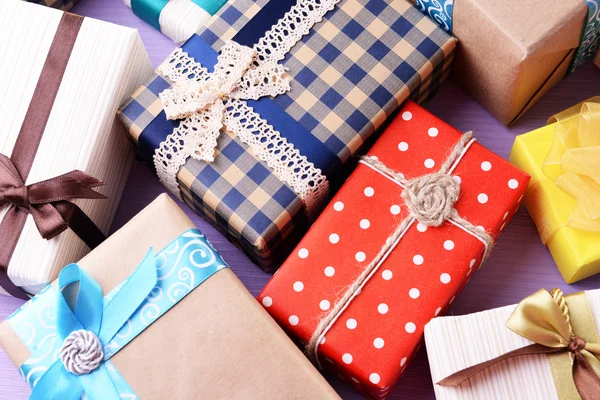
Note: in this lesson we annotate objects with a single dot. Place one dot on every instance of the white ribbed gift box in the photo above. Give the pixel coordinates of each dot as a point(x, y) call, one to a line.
point(180, 19)
point(107, 63)
point(458, 342)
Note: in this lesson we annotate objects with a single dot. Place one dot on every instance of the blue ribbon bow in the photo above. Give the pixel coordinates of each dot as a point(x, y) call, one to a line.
point(74, 323)
point(90, 314)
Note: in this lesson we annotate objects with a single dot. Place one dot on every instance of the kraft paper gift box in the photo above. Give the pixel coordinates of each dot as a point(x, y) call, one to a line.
point(347, 75)
point(63, 78)
point(554, 199)
point(198, 333)
point(178, 19)
point(414, 271)
point(512, 52)
point(461, 344)
point(64, 5)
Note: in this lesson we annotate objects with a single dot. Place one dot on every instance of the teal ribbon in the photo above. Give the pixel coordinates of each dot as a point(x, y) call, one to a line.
point(210, 6)
point(156, 285)
point(590, 38)
point(149, 10)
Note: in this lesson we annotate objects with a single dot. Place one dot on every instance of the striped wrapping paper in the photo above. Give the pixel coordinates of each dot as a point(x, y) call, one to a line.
point(64, 5)
point(455, 343)
point(349, 74)
point(106, 64)
point(177, 19)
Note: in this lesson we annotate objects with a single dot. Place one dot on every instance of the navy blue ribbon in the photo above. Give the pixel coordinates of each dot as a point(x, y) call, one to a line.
point(303, 140)
point(268, 16)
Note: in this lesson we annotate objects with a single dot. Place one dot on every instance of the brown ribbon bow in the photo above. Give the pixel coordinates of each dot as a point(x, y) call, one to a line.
point(545, 319)
point(47, 202)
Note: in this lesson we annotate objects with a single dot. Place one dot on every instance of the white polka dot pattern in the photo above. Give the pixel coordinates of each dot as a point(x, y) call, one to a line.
point(334, 238)
point(267, 301)
point(360, 256)
point(383, 308)
point(303, 253)
point(381, 328)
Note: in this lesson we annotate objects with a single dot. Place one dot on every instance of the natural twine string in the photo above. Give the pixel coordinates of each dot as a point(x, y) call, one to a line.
point(430, 200)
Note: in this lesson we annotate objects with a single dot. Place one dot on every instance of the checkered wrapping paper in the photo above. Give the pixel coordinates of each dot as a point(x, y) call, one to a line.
point(351, 73)
point(64, 5)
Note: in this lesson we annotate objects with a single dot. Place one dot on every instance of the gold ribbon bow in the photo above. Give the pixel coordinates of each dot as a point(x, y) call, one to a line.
point(573, 163)
point(545, 319)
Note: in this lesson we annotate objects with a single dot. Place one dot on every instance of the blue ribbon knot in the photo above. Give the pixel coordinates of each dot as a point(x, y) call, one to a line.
point(86, 311)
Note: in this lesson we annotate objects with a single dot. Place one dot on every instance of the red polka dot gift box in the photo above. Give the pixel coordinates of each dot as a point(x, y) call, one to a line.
point(394, 247)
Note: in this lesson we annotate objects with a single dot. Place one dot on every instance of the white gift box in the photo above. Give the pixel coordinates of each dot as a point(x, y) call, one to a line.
point(459, 342)
point(180, 19)
point(108, 62)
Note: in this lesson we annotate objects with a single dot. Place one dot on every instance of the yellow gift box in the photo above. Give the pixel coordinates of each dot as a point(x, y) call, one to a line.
point(563, 159)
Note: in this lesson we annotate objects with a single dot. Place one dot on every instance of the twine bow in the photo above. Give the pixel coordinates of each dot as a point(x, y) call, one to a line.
point(430, 198)
point(573, 163)
point(545, 319)
point(46, 201)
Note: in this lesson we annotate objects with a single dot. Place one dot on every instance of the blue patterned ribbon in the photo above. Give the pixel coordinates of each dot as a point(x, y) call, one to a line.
point(441, 12)
point(149, 10)
point(158, 284)
point(590, 38)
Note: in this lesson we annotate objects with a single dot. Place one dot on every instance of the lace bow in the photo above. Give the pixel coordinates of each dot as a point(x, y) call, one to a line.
point(208, 102)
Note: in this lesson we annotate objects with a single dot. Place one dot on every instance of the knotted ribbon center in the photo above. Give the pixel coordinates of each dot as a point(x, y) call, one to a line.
point(576, 344)
point(430, 198)
point(81, 352)
point(235, 77)
point(18, 196)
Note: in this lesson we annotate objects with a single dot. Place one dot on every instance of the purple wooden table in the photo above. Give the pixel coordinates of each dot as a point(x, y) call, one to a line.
point(519, 265)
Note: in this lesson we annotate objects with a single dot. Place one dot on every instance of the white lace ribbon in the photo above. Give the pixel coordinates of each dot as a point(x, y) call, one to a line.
point(207, 102)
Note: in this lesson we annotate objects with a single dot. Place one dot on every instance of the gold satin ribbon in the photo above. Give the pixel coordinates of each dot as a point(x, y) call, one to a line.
point(573, 164)
point(546, 318)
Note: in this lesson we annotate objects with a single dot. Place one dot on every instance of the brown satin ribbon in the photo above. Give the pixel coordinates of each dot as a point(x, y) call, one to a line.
point(545, 318)
point(47, 201)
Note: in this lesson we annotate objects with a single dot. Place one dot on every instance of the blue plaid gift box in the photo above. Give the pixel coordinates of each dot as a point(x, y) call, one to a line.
point(64, 5)
point(349, 74)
